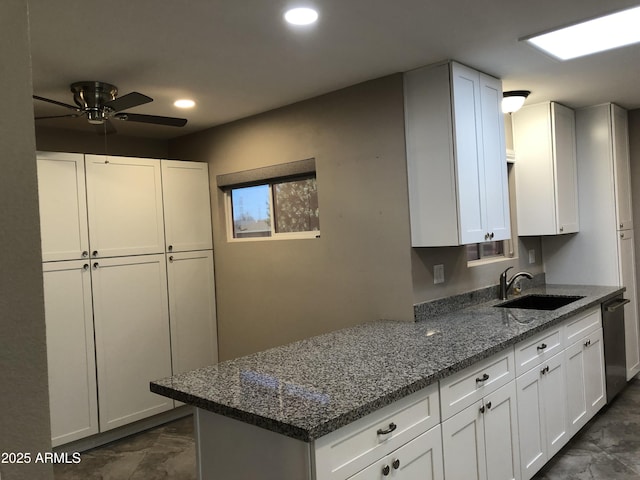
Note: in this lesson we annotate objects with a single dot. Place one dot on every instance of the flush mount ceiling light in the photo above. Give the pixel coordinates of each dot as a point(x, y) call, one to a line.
point(301, 16)
point(597, 35)
point(513, 100)
point(184, 103)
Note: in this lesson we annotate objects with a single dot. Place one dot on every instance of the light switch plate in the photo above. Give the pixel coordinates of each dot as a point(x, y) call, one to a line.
point(438, 274)
point(532, 256)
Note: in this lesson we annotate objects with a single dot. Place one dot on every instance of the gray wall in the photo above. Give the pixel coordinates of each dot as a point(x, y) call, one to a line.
point(61, 140)
point(24, 400)
point(273, 292)
point(634, 155)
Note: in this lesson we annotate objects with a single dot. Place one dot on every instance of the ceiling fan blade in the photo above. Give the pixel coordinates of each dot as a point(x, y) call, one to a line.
point(106, 128)
point(71, 115)
point(55, 102)
point(129, 100)
point(155, 119)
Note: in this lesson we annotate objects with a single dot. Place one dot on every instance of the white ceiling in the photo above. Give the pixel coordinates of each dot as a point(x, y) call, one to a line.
point(236, 58)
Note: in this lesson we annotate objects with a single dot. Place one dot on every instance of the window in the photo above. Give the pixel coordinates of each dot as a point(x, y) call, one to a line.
point(278, 201)
point(481, 251)
point(285, 208)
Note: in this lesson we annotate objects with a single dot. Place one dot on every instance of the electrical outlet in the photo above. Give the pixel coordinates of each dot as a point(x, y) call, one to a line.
point(532, 256)
point(438, 274)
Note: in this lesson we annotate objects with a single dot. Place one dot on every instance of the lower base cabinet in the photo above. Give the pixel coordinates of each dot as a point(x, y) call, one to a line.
point(481, 442)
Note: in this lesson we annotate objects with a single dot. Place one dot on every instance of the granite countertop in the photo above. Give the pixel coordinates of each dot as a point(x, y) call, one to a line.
point(310, 388)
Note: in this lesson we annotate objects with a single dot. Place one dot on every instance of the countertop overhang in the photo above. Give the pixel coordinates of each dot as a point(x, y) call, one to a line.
point(310, 388)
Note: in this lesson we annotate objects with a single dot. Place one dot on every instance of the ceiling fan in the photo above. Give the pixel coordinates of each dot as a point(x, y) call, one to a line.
point(99, 103)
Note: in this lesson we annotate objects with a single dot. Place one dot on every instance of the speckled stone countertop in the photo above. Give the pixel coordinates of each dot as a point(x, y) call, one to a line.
point(310, 388)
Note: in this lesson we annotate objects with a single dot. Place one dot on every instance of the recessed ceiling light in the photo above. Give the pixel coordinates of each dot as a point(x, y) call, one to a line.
point(603, 33)
point(184, 103)
point(301, 16)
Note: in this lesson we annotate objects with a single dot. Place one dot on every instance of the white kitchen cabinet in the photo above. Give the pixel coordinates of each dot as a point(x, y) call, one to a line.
point(73, 396)
point(542, 413)
point(124, 202)
point(456, 165)
point(481, 442)
point(187, 206)
point(63, 206)
point(192, 310)
point(546, 173)
point(586, 392)
point(419, 459)
point(132, 336)
point(606, 230)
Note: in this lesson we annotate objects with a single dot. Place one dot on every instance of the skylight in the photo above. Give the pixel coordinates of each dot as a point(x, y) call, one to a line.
point(597, 35)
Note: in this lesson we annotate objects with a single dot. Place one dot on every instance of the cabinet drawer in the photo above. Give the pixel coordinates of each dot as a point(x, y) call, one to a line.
point(539, 348)
point(467, 386)
point(353, 447)
point(581, 325)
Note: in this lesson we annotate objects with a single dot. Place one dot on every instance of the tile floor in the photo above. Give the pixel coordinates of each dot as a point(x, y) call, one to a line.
point(608, 448)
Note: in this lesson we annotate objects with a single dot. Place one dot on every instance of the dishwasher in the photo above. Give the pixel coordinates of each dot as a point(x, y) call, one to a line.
point(615, 360)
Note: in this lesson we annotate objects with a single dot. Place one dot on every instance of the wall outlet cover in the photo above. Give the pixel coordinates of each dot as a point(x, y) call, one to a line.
point(438, 274)
point(532, 256)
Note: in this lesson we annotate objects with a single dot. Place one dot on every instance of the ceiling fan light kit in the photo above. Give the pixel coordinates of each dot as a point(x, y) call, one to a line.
point(99, 102)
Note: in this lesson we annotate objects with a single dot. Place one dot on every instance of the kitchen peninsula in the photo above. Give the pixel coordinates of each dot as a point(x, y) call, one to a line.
point(315, 401)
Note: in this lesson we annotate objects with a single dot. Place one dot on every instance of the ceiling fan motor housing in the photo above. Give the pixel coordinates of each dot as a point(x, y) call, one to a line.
point(91, 97)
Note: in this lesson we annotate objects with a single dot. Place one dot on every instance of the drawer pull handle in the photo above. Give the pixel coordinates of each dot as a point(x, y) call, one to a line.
point(396, 464)
point(484, 378)
point(587, 343)
point(545, 370)
point(392, 427)
point(488, 405)
point(482, 409)
point(541, 347)
point(385, 470)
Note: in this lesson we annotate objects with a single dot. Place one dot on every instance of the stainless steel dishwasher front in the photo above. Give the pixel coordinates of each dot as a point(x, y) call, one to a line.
point(614, 345)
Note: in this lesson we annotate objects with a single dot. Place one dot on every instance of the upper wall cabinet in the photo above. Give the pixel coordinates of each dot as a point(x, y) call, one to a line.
point(187, 206)
point(544, 140)
point(63, 206)
point(456, 165)
point(124, 201)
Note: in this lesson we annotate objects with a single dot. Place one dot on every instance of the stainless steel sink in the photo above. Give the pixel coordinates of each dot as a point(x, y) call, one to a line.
point(539, 302)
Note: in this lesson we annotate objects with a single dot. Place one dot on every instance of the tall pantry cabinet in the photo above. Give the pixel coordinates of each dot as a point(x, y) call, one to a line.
point(603, 252)
point(106, 278)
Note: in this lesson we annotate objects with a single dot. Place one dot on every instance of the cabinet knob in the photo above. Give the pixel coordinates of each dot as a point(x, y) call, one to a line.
point(545, 370)
point(96, 265)
point(396, 464)
point(587, 343)
point(561, 229)
point(171, 248)
point(486, 236)
point(386, 470)
point(392, 427)
point(622, 235)
point(95, 253)
point(621, 226)
point(85, 254)
point(484, 378)
point(488, 405)
point(491, 236)
point(482, 409)
point(171, 258)
point(85, 267)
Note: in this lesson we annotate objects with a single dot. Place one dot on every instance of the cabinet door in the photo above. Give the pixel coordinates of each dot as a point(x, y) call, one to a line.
point(187, 206)
point(531, 425)
point(192, 310)
point(564, 158)
point(501, 434)
point(470, 172)
point(124, 200)
point(576, 387)
point(70, 351)
point(595, 386)
point(132, 337)
point(419, 459)
point(627, 278)
point(463, 445)
point(498, 220)
point(63, 206)
point(622, 173)
point(554, 399)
